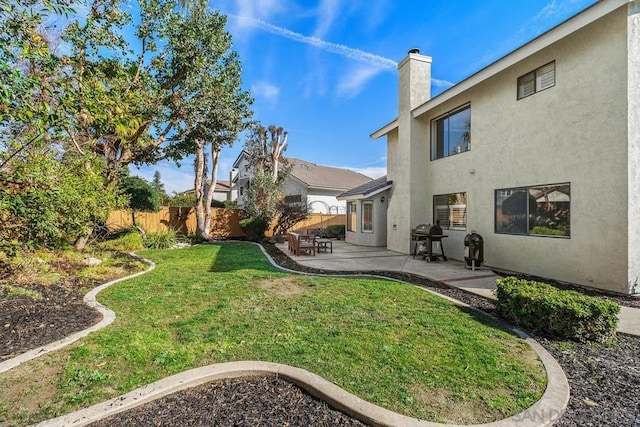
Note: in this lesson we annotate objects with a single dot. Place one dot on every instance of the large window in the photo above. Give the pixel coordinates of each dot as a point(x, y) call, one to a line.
point(451, 133)
point(450, 211)
point(537, 80)
point(542, 210)
point(297, 198)
point(367, 216)
point(351, 216)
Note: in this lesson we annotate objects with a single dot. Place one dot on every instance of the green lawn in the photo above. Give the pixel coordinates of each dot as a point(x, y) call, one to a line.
point(390, 343)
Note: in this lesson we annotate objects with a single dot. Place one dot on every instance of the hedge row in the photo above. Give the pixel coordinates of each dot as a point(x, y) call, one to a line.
point(557, 313)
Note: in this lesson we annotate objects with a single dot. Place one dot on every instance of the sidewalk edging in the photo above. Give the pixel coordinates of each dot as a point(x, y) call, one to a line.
point(543, 413)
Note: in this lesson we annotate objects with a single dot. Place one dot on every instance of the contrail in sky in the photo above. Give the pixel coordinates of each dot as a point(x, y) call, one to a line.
point(339, 49)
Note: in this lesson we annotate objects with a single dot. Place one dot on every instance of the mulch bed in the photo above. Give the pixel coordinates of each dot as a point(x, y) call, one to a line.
point(267, 401)
point(27, 323)
point(604, 379)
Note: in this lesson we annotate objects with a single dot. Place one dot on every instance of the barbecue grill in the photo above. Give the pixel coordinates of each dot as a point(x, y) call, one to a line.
point(424, 237)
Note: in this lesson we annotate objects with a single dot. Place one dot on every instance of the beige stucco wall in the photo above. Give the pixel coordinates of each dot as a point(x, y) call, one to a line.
point(379, 235)
point(633, 97)
point(404, 166)
point(574, 132)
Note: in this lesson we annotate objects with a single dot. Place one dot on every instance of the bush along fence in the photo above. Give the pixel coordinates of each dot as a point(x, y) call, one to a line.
point(554, 312)
point(225, 223)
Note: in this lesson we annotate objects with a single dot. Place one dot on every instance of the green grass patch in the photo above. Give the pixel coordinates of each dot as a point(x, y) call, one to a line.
point(9, 291)
point(389, 343)
point(127, 242)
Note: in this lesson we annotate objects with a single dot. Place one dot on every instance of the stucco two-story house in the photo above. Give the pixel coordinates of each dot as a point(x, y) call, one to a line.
point(539, 153)
point(306, 183)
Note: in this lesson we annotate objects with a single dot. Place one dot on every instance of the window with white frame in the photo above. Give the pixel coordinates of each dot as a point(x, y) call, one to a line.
point(537, 80)
point(351, 216)
point(451, 133)
point(367, 216)
point(450, 211)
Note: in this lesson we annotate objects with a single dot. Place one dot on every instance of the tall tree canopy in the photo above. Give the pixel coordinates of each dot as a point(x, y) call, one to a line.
point(265, 148)
point(168, 89)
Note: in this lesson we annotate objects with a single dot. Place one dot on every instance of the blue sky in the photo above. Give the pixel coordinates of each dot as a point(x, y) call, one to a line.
point(325, 70)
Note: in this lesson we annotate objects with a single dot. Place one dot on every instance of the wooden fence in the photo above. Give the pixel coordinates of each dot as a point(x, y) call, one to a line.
point(225, 222)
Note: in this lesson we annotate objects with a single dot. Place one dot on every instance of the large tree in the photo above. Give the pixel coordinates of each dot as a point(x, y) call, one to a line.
point(265, 148)
point(171, 87)
point(213, 109)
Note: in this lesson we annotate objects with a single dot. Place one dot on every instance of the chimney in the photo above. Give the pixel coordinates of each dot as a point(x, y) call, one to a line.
point(415, 81)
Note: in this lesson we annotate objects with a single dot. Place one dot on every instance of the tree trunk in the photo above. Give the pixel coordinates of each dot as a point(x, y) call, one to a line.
point(279, 141)
point(140, 230)
point(82, 240)
point(201, 229)
point(215, 155)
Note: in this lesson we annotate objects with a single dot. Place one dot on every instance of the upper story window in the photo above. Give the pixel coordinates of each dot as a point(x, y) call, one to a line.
point(537, 80)
point(451, 133)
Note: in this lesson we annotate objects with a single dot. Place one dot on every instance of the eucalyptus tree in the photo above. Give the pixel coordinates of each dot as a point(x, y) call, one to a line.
point(211, 107)
point(265, 148)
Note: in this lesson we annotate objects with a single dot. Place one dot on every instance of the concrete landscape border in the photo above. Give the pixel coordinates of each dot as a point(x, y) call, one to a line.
point(543, 413)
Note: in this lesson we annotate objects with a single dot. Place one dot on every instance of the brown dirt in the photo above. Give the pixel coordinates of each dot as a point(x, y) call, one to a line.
point(285, 287)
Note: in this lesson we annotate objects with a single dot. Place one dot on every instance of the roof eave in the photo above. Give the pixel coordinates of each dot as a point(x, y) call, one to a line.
point(384, 130)
point(319, 187)
point(361, 196)
point(571, 25)
point(235, 163)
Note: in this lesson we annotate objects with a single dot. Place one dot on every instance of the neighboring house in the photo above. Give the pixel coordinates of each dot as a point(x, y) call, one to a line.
point(539, 152)
point(309, 183)
point(221, 193)
point(367, 213)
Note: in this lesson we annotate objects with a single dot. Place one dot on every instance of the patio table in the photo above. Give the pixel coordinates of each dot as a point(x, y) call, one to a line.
point(324, 244)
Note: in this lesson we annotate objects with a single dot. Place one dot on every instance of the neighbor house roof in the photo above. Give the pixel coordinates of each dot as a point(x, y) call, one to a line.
point(576, 22)
point(318, 176)
point(325, 177)
point(368, 189)
point(221, 187)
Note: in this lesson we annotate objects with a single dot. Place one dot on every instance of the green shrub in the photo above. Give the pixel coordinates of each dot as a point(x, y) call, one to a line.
point(336, 231)
point(130, 241)
point(161, 239)
point(254, 228)
point(554, 312)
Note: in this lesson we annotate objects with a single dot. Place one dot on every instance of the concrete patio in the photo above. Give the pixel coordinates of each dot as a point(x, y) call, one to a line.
point(348, 257)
